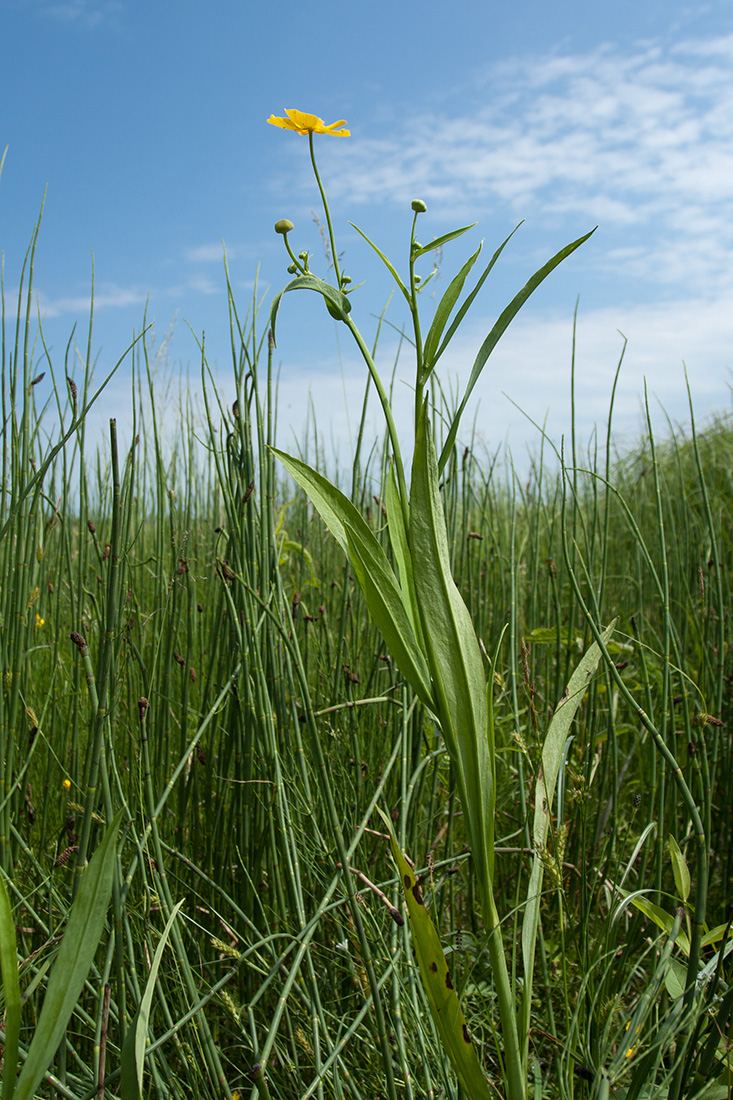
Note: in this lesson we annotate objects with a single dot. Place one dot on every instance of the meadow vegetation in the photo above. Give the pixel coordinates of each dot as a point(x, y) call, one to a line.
point(193, 685)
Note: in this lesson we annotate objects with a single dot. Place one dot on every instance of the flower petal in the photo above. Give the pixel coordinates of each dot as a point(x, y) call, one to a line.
point(283, 123)
point(330, 128)
point(305, 123)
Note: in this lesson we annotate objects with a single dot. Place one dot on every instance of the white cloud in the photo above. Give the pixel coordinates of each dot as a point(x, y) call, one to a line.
point(530, 371)
point(85, 13)
point(209, 253)
point(109, 297)
point(641, 143)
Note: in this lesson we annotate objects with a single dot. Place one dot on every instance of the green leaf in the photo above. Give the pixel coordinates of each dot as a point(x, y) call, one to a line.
point(680, 869)
point(335, 299)
point(440, 241)
point(442, 998)
point(375, 575)
point(74, 958)
point(392, 270)
point(552, 753)
point(132, 1059)
point(454, 658)
point(401, 549)
point(658, 916)
point(502, 324)
point(714, 935)
point(542, 635)
point(675, 979)
point(470, 298)
point(442, 313)
point(11, 991)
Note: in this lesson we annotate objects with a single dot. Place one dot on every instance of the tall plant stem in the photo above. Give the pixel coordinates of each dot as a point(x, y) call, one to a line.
point(326, 211)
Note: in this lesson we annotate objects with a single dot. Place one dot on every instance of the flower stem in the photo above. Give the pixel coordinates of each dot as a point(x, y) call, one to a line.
point(419, 383)
point(327, 212)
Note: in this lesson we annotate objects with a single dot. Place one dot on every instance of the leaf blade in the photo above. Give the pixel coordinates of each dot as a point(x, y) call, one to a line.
point(331, 294)
point(387, 263)
point(498, 330)
point(132, 1058)
point(552, 752)
point(374, 573)
point(73, 961)
point(440, 241)
point(454, 658)
point(11, 991)
point(445, 307)
point(442, 998)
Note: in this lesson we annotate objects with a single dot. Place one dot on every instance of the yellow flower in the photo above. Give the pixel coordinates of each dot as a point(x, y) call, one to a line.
point(631, 1051)
point(39, 620)
point(66, 784)
point(303, 123)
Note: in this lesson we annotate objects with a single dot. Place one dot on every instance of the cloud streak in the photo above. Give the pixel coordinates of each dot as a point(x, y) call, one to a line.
point(84, 13)
point(110, 297)
point(641, 142)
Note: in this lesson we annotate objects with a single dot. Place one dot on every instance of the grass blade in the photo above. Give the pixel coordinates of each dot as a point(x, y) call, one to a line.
point(11, 991)
point(132, 1059)
point(552, 752)
point(75, 956)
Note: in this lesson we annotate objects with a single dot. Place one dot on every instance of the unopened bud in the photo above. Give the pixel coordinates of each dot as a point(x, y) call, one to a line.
point(418, 206)
point(283, 226)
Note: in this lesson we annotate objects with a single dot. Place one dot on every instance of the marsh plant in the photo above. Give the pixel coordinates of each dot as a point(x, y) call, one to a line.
point(417, 607)
point(430, 801)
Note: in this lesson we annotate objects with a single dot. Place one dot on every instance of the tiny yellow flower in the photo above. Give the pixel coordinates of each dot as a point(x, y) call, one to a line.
point(66, 784)
point(631, 1051)
point(303, 123)
point(39, 621)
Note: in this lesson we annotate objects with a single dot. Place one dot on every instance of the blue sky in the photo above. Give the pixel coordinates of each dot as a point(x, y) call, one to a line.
point(146, 124)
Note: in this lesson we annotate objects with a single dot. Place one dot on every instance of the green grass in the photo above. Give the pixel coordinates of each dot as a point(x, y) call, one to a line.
point(226, 691)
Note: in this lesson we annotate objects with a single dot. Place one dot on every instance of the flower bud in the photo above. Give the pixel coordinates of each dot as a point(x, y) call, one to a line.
point(418, 206)
point(292, 269)
point(283, 226)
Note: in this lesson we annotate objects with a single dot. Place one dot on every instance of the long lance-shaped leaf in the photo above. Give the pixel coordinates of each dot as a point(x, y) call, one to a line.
point(438, 242)
point(472, 295)
point(374, 573)
point(132, 1058)
point(387, 263)
point(461, 694)
point(442, 313)
point(552, 753)
point(442, 998)
point(334, 298)
point(75, 956)
point(502, 324)
point(454, 658)
point(11, 991)
point(399, 539)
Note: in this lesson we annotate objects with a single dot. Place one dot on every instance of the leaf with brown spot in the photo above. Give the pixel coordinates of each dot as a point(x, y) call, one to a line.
point(438, 984)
